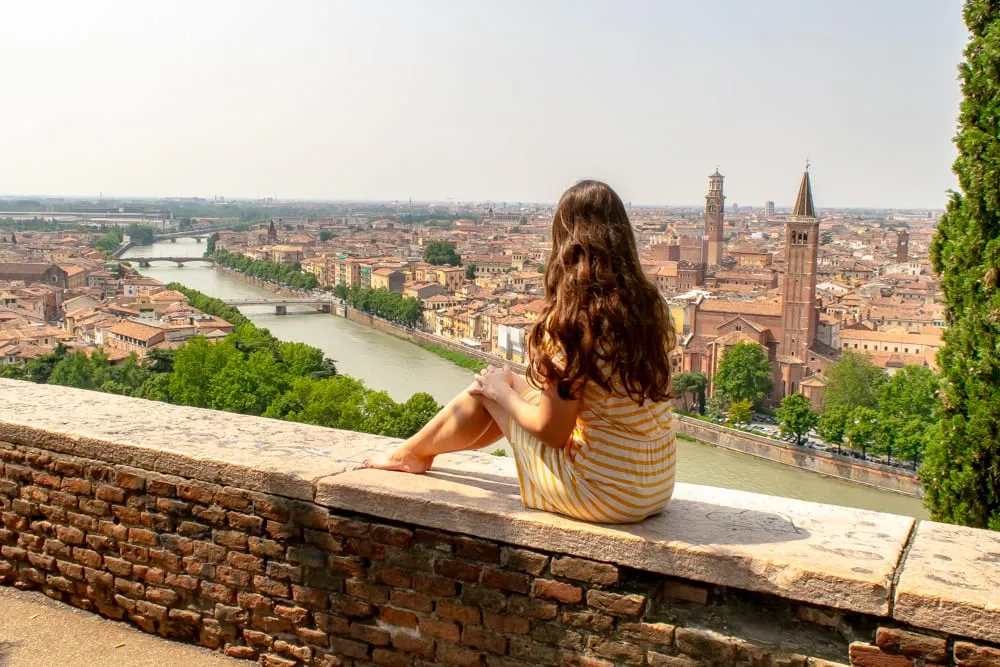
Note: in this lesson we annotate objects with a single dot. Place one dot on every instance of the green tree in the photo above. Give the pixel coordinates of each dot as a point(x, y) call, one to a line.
point(744, 373)
point(961, 473)
point(795, 416)
point(741, 412)
point(832, 423)
point(40, 368)
point(684, 384)
point(13, 371)
point(140, 234)
point(717, 405)
point(861, 429)
point(854, 381)
point(470, 271)
point(325, 235)
point(906, 404)
point(441, 253)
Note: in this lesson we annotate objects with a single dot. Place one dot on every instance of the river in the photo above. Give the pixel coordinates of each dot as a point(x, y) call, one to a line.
point(401, 369)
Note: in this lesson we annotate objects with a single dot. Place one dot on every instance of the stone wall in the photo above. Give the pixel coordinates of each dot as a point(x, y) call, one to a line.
point(211, 528)
point(880, 476)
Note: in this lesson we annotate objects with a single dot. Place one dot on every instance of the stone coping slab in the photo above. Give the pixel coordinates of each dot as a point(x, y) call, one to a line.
point(950, 581)
point(253, 453)
point(804, 551)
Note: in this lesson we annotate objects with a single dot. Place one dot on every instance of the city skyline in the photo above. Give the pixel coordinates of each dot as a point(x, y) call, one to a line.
point(353, 102)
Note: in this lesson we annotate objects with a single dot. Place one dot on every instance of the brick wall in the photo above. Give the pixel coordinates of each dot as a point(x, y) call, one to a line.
point(289, 582)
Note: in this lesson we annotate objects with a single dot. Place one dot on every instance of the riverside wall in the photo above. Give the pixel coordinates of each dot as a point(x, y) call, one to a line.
point(831, 464)
point(263, 540)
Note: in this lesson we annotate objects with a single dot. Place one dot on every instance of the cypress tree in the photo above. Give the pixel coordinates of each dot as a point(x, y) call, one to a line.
point(961, 474)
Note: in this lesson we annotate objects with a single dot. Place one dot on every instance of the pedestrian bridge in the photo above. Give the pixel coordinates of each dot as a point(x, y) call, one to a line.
point(180, 261)
point(281, 304)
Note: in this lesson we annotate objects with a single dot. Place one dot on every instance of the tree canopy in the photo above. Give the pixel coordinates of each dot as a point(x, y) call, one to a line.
point(744, 373)
point(684, 384)
point(854, 382)
point(740, 412)
point(961, 474)
point(262, 268)
point(392, 306)
point(441, 253)
point(795, 416)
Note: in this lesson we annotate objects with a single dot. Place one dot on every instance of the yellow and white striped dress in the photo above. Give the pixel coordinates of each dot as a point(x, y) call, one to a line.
point(617, 468)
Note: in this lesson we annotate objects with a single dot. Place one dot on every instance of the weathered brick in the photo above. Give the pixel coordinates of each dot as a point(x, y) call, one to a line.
point(110, 494)
point(473, 549)
point(679, 590)
point(197, 491)
point(60, 583)
point(165, 559)
point(654, 633)
point(303, 653)
point(418, 646)
point(589, 571)
point(314, 598)
point(87, 557)
point(264, 547)
point(577, 660)
point(285, 571)
point(367, 591)
point(69, 535)
point(484, 598)
point(258, 640)
point(523, 560)
point(347, 565)
point(254, 602)
point(131, 588)
point(151, 610)
point(282, 531)
point(460, 613)
point(452, 654)
point(397, 537)
point(912, 644)
point(704, 645)
point(484, 640)
point(556, 590)
point(80, 487)
point(230, 539)
point(393, 576)
point(231, 577)
point(159, 487)
point(327, 660)
point(440, 629)
point(213, 516)
point(208, 552)
point(126, 515)
point(46, 479)
point(181, 581)
point(348, 527)
point(323, 540)
point(968, 654)
point(349, 648)
point(269, 660)
point(508, 625)
point(246, 523)
point(530, 652)
point(516, 582)
point(389, 658)
point(456, 569)
point(271, 624)
point(112, 530)
point(134, 553)
point(866, 655)
point(171, 506)
point(438, 587)
point(217, 592)
point(242, 561)
point(164, 596)
point(229, 614)
point(532, 608)
point(129, 481)
point(365, 548)
point(307, 556)
point(71, 570)
point(152, 575)
point(398, 617)
point(271, 507)
point(616, 604)
point(314, 637)
point(411, 600)
point(336, 625)
point(270, 587)
point(100, 543)
point(621, 652)
point(184, 616)
point(232, 499)
point(371, 634)
point(53, 548)
point(557, 635)
point(239, 652)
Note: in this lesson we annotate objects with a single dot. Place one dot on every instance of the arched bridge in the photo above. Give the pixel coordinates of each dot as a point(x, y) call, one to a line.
point(180, 261)
point(281, 304)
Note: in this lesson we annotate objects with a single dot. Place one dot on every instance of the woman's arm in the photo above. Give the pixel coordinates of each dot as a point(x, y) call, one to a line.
point(551, 421)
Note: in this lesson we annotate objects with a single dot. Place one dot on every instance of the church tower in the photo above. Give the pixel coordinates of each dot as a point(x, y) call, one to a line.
point(798, 311)
point(715, 203)
point(902, 246)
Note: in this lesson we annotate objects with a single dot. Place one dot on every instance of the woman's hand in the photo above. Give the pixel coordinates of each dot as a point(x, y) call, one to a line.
point(491, 381)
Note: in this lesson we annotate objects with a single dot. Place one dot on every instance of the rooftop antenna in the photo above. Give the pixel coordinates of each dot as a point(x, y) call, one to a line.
point(807, 163)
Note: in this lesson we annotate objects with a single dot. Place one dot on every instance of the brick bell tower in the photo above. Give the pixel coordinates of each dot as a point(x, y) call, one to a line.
point(798, 312)
point(715, 203)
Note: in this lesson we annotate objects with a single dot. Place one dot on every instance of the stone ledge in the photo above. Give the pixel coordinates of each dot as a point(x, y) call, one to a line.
point(257, 454)
point(803, 551)
point(950, 581)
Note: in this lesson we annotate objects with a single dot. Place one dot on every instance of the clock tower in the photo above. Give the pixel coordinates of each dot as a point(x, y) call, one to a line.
point(715, 204)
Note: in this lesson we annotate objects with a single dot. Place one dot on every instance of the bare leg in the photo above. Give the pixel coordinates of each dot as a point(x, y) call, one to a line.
point(463, 424)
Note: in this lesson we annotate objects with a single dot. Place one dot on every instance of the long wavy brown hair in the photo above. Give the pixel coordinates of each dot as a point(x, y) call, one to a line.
point(601, 312)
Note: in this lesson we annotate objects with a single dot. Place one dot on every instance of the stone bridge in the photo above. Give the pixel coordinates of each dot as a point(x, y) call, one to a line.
point(264, 539)
point(193, 234)
point(180, 261)
point(281, 303)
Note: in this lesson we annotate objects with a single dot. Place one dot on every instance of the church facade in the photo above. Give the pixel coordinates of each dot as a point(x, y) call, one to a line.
point(783, 323)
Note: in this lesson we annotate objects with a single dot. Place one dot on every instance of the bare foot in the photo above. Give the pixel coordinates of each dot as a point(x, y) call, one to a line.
point(399, 459)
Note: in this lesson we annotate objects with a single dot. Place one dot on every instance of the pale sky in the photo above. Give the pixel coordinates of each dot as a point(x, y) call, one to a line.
point(507, 101)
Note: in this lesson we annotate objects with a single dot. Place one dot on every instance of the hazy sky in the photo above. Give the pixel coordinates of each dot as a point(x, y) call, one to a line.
point(508, 100)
